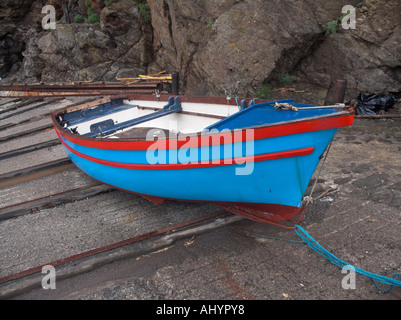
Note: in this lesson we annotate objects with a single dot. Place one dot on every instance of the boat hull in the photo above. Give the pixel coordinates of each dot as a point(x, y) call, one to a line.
point(261, 173)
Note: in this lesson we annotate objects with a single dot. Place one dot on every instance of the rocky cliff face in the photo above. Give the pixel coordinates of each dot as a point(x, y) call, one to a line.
point(368, 57)
point(237, 45)
point(12, 17)
point(218, 47)
point(118, 45)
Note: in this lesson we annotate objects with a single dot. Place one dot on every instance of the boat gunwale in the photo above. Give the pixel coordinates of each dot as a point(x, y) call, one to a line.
point(345, 112)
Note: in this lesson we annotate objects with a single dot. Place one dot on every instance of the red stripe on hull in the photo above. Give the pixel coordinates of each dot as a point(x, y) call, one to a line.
point(234, 161)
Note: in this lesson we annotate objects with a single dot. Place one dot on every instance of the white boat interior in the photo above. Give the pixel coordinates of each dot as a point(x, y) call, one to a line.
point(193, 118)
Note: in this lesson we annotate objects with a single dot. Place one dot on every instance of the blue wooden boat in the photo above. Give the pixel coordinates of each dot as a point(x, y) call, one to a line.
point(255, 158)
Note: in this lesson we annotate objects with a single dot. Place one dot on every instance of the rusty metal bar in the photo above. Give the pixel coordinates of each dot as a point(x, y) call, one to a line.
point(91, 89)
point(46, 94)
point(175, 85)
point(79, 86)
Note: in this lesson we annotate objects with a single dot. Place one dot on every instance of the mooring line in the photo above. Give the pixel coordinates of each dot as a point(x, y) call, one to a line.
point(313, 244)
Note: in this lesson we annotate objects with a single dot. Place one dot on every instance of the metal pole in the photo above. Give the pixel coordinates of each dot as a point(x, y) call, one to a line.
point(340, 91)
point(175, 79)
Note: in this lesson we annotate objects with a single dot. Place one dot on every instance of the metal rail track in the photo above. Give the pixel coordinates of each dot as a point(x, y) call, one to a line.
point(154, 240)
point(21, 281)
point(27, 106)
point(30, 172)
point(14, 105)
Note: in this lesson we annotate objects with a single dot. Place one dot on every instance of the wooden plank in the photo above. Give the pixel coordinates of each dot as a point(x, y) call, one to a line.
point(155, 78)
point(88, 104)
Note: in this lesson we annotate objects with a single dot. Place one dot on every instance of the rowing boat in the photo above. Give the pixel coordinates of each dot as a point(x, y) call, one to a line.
point(254, 158)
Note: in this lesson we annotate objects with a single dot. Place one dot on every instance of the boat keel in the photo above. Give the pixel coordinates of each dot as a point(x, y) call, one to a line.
point(273, 214)
point(266, 213)
point(156, 200)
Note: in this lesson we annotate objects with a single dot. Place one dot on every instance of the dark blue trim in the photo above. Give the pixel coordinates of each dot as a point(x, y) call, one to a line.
point(77, 117)
point(98, 128)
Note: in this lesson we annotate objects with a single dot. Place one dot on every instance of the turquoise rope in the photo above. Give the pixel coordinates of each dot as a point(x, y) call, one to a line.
point(340, 263)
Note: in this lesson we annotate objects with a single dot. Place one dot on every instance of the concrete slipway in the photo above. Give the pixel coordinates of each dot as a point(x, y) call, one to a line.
point(356, 215)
